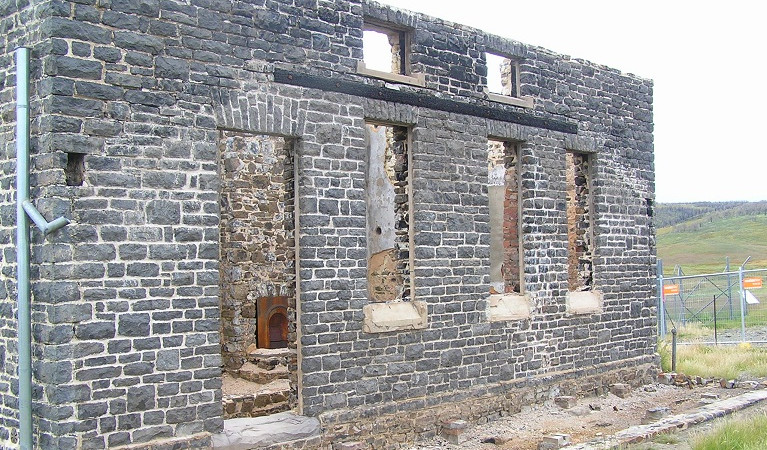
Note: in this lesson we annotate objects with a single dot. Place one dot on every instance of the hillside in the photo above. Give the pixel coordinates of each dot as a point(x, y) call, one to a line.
point(699, 236)
point(669, 214)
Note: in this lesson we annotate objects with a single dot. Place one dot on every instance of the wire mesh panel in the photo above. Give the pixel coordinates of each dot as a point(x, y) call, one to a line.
point(714, 307)
point(755, 293)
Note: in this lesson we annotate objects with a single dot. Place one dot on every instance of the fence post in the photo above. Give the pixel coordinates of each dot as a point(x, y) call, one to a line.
point(729, 286)
point(742, 302)
point(716, 340)
point(673, 349)
point(661, 305)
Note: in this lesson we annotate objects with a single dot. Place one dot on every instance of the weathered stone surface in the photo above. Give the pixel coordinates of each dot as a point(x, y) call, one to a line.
point(260, 432)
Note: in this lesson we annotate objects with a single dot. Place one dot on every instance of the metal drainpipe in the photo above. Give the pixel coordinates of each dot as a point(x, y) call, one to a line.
point(24, 210)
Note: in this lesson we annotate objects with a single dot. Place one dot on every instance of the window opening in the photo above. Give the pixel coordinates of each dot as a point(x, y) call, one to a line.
point(503, 192)
point(385, 49)
point(580, 235)
point(502, 75)
point(75, 171)
point(388, 213)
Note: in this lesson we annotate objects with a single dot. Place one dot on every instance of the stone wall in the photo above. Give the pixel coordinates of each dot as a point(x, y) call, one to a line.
point(126, 298)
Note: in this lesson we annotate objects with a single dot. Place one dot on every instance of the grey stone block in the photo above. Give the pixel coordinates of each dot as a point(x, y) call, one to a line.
point(133, 325)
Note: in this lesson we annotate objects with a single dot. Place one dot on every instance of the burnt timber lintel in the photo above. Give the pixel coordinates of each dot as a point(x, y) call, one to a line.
point(422, 100)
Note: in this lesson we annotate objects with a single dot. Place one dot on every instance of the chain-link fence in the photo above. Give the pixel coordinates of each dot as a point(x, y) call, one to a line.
point(726, 307)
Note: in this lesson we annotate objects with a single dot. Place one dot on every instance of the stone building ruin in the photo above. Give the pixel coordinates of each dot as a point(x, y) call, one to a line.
point(263, 220)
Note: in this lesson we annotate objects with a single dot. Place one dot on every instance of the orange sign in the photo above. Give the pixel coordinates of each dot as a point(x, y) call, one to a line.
point(752, 283)
point(670, 289)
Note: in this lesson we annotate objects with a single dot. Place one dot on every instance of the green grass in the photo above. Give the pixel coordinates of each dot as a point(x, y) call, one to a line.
point(666, 438)
point(729, 362)
point(734, 434)
point(701, 245)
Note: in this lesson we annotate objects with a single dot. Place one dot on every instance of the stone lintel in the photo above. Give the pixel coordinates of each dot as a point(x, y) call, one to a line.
point(584, 302)
point(394, 316)
point(508, 307)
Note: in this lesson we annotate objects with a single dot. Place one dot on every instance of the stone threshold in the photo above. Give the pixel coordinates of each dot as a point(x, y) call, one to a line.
point(641, 433)
point(275, 431)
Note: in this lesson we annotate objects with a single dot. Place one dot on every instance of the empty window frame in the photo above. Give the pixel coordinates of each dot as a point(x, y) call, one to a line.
point(386, 48)
point(580, 234)
point(75, 171)
point(502, 75)
point(504, 203)
point(388, 213)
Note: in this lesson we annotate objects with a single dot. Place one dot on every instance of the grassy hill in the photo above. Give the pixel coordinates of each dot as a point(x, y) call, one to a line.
point(699, 236)
point(669, 214)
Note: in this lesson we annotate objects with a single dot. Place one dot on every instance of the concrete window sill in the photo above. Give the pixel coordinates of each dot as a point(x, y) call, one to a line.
point(414, 80)
point(503, 307)
point(584, 302)
point(523, 102)
point(394, 316)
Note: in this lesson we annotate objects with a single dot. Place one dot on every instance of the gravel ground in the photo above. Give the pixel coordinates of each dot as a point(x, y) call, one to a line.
point(591, 417)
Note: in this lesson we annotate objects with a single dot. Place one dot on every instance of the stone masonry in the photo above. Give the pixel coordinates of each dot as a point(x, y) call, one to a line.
point(158, 125)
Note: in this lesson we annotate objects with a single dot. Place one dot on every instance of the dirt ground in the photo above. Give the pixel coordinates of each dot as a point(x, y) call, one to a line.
point(590, 418)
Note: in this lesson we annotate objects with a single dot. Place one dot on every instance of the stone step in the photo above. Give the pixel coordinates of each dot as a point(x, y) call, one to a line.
point(243, 398)
point(256, 374)
point(269, 358)
point(268, 432)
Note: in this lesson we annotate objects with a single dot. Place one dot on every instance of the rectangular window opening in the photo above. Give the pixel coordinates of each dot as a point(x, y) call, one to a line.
point(504, 204)
point(580, 234)
point(385, 49)
point(502, 75)
point(388, 213)
point(75, 171)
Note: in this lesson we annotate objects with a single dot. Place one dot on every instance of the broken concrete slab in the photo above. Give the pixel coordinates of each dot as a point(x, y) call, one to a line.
point(260, 432)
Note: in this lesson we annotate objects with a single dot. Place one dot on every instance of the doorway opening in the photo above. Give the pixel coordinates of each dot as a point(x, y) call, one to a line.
point(257, 273)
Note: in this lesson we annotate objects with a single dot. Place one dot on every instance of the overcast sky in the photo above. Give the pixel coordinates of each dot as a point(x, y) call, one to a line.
point(708, 61)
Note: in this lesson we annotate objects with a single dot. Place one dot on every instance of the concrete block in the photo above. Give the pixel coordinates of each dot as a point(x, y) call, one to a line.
point(384, 317)
point(554, 441)
point(508, 307)
point(453, 429)
point(584, 302)
point(655, 414)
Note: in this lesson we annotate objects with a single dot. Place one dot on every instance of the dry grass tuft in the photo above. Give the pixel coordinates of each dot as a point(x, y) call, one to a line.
point(743, 434)
point(729, 362)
